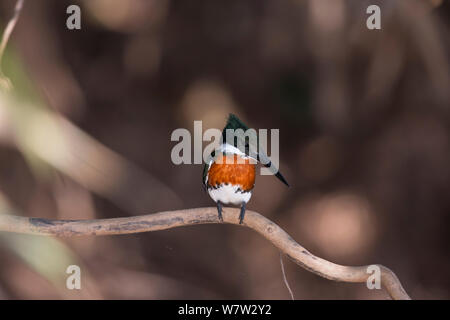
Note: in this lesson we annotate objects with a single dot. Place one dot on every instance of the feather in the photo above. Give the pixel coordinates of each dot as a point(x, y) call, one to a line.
point(234, 123)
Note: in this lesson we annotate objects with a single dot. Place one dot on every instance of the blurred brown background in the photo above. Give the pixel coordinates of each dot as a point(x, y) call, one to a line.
point(364, 142)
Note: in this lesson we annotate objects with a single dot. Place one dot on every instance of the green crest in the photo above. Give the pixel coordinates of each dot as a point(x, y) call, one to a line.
point(234, 123)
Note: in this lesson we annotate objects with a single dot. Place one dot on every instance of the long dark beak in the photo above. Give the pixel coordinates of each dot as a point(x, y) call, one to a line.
point(280, 176)
point(268, 164)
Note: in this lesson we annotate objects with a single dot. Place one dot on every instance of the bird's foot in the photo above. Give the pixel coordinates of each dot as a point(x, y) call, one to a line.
point(242, 214)
point(219, 210)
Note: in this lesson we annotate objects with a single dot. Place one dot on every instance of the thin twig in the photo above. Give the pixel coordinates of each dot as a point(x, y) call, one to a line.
point(284, 277)
point(187, 217)
point(6, 34)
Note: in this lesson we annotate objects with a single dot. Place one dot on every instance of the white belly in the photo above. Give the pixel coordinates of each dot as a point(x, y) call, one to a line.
point(228, 194)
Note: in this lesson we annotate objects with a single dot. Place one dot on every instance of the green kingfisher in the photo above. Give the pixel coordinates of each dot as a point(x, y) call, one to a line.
point(229, 174)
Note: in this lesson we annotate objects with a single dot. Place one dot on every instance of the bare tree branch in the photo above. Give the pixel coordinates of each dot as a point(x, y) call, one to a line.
point(4, 81)
point(284, 277)
point(179, 218)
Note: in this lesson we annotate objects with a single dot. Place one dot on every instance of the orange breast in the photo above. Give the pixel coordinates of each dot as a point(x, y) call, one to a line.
point(232, 172)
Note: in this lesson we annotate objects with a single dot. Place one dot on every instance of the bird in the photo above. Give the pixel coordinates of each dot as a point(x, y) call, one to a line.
point(229, 172)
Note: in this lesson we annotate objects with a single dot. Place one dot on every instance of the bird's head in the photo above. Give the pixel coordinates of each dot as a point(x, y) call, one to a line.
point(237, 134)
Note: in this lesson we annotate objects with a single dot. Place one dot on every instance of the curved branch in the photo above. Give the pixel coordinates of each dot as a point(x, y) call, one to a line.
point(172, 219)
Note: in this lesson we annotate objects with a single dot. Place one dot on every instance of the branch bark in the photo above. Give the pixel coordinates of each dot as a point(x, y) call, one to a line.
point(179, 218)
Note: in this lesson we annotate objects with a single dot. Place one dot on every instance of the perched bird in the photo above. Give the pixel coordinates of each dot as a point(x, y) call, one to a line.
point(229, 174)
